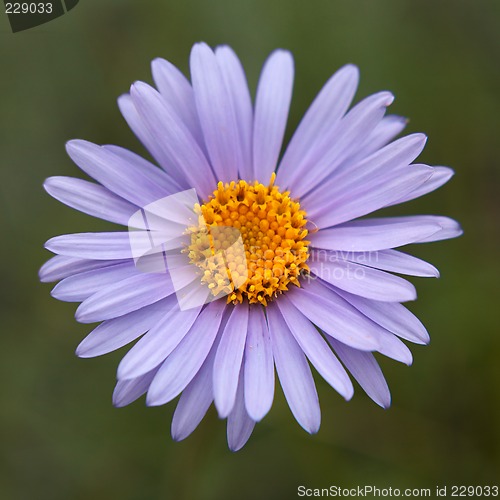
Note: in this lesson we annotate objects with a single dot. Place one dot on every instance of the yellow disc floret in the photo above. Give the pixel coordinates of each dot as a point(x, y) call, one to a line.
point(249, 242)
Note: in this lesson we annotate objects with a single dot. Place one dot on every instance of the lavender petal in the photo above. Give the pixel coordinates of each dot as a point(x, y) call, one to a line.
point(124, 296)
point(320, 120)
point(217, 116)
point(239, 423)
point(258, 366)
point(274, 94)
point(115, 333)
point(228, 360)
point(366, 371)
point(316, 349)
point(294, 373)
point(375, 234)
point(184, 362)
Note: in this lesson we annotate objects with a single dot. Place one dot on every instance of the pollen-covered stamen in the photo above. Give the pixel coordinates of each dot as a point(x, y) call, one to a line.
point(250, 241)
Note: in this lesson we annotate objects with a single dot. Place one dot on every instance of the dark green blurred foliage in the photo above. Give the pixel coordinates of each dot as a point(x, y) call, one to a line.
point(60, 436)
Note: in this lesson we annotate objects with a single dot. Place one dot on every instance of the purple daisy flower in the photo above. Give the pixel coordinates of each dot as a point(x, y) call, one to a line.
point(283, 269)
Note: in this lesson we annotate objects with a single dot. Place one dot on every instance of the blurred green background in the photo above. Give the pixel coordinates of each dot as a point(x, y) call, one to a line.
point(60, 436)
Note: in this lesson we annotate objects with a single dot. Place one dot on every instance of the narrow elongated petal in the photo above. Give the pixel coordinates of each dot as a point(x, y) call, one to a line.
point(160, 177)
point(392, 347)
point(159, 342)
point(115, 333)
point(387, 129)
point(90, 198)
point(228, 359)
point(316, 349)
point(115, 173)
point(359, 122)
point(239, 424)
point(140, 129)
point(197, 397)
point(127, 391)
point(335, 316)
point(364, 281)
point(195, 400)
point(258, 366)
point(124, 296)
point(216, 113)
point(236, 83)
point(439, 177)
point(366, 198)
point(320, 119)
point(294, 373)
point(375, 234)
point(388, 344)
point(389, 260)
point(366, 371)
point(182, 365)
point(136, 124)
point(81, 286)
point(395, 155)
point(175, 88)
point(272, 103)
point(98, 246)
point(393, 317)
point(173, 139)
point(449, 229)
point(61, 266)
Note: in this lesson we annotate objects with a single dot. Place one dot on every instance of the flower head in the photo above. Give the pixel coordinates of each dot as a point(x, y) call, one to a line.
point(238, 262)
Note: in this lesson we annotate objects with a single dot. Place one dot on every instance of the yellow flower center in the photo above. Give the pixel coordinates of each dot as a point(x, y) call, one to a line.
point(249, 242)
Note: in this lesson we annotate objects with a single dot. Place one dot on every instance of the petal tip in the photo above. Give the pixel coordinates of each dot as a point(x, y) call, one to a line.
point(237, 446)
point(75, 144)
point(224, 48)
point(313, 429)
point(48, 183)
point(80, 351)
point(151, 400)
point(124, 372)
point(83, 315)
point(390, 99)
point(48, 245)
point(349, 393)
point(43, 274)
point(447, 172)
point(158, 61)
point(79, 314)
point(351, 68)
point(119, 400)
point(200, 49)
point(222, 410)
point(72, 145)
point(385, 404)
point(409, 294)
point(137, 88)
point(54, 293)
point(177, 435)
point(122, 100)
